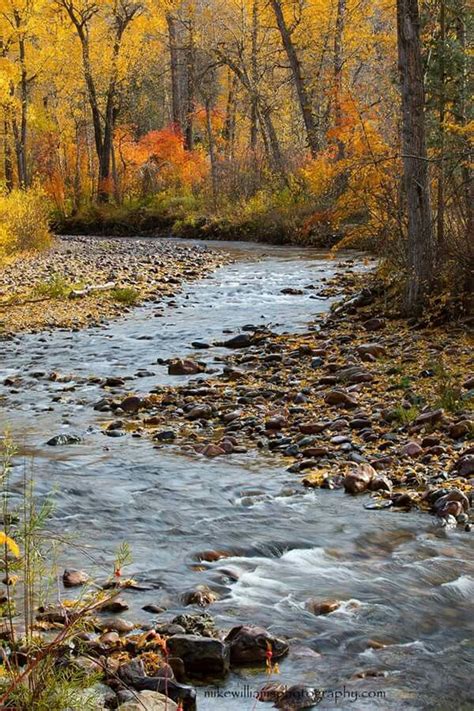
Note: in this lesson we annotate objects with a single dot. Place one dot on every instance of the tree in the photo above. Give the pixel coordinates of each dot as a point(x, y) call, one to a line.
point(420, 256)
point(298, 78)
point(81, 15)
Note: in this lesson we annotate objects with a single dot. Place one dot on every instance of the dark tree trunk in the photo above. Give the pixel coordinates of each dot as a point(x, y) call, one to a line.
point(300, 83)
point(441, 117)
point(190, 89)
point(416, 179)
point(177, 113)
point(254, 77)
point(7, 158)
point(462, 119)
point(338, 65)
point(230, 115)
point(212, 153)
point(20, 129)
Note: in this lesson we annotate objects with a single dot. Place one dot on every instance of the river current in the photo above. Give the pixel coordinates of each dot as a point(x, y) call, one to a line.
point(403, 580)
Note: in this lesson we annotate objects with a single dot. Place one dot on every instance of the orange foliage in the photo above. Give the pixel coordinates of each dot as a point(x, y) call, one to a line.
point(354, 182)
point(163, 154)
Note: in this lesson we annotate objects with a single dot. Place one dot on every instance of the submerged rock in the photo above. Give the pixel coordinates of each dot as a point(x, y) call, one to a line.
point(64, 439)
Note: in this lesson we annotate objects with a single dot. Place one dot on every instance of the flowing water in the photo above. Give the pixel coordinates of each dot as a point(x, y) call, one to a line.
point(403, 580)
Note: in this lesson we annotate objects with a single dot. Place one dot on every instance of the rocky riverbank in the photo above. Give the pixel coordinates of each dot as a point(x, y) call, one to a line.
point(362, 401)
point(82, 281)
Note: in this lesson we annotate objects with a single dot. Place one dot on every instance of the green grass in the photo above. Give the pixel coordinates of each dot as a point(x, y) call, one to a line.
point(125, 295)
point(406, 416)
point(57, 287)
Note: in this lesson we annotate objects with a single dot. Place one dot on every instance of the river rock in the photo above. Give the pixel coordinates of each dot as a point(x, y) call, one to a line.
point(132, 675)
point(464, 467)
point(432, 417)
point(299, 697)
point(359, 479)
point(149, 701)
point(75, 578)
point(202, 656)
point(64, 439)
point(340, 397)
point(461, 429)
point(381, 483)
point(114, 605)
point(116, 624)
point(202, 596)
point(412, 449)
point(374, 349)
point(249, 644)
point(131, 404)
point(374, 324)
point(243, 340)
point(277, 422)
point(323, 607)
point(453, 503)
point(200, 412)
point(200, 624)
point(312, 427)
point(185, 366)
point(211, 450)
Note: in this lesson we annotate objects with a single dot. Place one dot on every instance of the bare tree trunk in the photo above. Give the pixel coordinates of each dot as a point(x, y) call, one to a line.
point(175, 78)
point(461, 117)
point(7, 158)
point(190, 89)
point(441, 116)
point(254, 78)
point(300, 83)
point(338, 65)
point(20, 130)
point(416, 178)
point(230, 115)
point(265, 118)
point(212, 153)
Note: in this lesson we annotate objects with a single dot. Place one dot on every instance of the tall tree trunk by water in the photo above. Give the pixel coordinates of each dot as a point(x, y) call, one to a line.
point(460, 110)
point(177, 113)
point(441, 117)
point(299, 81)
point(254, 78)
point(338, 65)
point(20, 128)
point(416, 179)
point(190, 88)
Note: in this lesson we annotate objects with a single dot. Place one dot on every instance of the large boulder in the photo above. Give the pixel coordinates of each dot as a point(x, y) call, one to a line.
point(202, 656)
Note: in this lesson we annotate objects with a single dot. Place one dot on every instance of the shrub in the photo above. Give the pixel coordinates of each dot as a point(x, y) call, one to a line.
point(55, 288)
point(24, 222)
point(125, 295)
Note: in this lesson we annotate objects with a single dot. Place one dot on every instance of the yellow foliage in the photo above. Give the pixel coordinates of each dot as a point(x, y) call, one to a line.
point(10, 544)
point(24, 221)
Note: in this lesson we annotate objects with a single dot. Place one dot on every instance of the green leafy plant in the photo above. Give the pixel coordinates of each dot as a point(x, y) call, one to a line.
point(57, 287)
point(37, 672)
point(125, 295)
point(406, 416)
